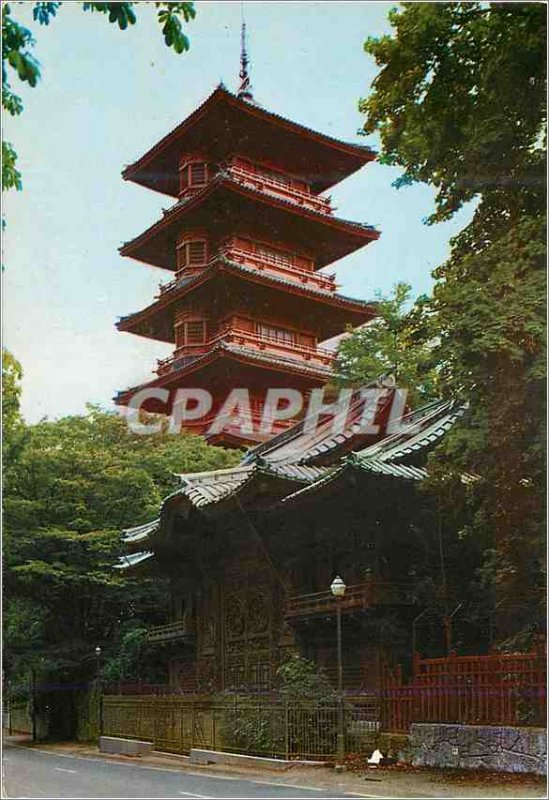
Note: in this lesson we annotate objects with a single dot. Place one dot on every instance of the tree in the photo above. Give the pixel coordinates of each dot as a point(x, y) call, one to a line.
point(459, 102)
point(18, 42)
point(12, 422)
point(396, 342)
point(74, 484)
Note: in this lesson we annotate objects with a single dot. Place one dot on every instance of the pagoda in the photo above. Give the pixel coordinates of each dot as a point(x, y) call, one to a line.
point(247, 240)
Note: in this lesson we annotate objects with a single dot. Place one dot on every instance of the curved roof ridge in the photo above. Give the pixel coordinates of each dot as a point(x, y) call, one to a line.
point(225, 178)
point(221, 90)
point(411, 425)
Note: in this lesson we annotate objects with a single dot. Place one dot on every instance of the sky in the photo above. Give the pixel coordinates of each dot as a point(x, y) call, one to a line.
point(105, 97)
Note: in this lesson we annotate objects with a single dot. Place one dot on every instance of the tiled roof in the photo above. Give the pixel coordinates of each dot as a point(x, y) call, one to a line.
point(364, 152)
point(211, 487)
point(302, 445)
point(418, 430)
point(141, 532)
point(222, 263)
point(352, 463)
point(132, 560)
point(281, 361)
point(391, 469)
point(285, 458)
point(421, 430)
point(261, 358)
point(223, 178)
point(205, 488)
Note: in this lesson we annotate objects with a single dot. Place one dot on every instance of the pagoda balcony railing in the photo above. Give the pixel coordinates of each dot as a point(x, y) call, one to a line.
point(187, 272)
point(310, 355)
point(358, 597)
point(173, 631)
point(269, 184)
point(277, 266)
point(261, 262)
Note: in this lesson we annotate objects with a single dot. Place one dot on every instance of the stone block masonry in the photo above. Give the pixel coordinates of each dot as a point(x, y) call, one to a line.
point(498, 748)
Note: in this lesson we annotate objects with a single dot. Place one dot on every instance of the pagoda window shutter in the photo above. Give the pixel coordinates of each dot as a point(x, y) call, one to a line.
point(274, 255)
point(196, 253)
point(193, 175)
point(191, 331)
point(192, 254)
point(195, 332)
point(198, 175)
point(275, 334)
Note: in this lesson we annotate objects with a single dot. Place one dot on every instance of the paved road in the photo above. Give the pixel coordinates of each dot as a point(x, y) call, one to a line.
point(39, 773)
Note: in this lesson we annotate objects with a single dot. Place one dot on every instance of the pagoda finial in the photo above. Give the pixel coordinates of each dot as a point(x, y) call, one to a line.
point(245, 88)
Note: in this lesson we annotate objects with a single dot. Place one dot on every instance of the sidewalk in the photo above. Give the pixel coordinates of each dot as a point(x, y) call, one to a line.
point(394, 782)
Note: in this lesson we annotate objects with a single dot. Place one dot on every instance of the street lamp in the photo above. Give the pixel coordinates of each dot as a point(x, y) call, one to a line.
point(338, 590)
point(98, 652)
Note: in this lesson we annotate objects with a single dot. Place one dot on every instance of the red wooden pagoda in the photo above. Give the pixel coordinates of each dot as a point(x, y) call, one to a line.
point(247, 239)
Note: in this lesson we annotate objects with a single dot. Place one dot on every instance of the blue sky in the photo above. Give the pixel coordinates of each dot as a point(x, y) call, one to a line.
point(105, 97)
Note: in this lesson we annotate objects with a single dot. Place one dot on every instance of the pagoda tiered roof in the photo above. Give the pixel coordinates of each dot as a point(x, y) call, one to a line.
point(269, 476)
point(227, 354)
point(225, 124)
point(418, 431)
point(225, 203)
point(327, 312)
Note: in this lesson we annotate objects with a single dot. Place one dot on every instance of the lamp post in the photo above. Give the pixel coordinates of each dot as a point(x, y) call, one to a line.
point(99, 687)
point(338, 590)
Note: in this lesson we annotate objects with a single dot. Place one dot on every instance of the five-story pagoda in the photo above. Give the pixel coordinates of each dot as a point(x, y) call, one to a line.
point(247, 239)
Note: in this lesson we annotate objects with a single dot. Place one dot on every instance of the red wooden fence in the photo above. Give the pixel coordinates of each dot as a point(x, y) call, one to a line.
point(497, 689)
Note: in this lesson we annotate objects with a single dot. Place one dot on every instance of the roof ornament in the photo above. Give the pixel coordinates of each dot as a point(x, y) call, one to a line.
point(245, 89)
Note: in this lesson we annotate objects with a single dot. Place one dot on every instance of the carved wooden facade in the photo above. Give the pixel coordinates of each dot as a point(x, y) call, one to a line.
point(251, 553)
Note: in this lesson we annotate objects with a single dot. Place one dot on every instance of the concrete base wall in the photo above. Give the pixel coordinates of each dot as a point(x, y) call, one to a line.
point(503, 749)
point(125, 747)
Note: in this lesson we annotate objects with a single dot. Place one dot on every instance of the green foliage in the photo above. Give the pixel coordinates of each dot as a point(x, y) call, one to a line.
point(18, 41)
point(69, 489)
point(397, 342)
point(459, 102)
point(491, 309)
point(254, 729)
point(302, 684)
point(124, 663)
point(11, 177)
point(13, 430)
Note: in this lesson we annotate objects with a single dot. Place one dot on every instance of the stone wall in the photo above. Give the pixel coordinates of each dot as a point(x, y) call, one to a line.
point(503, 749)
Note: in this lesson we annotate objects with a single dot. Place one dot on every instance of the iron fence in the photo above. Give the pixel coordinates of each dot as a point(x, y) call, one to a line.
point(271, 729)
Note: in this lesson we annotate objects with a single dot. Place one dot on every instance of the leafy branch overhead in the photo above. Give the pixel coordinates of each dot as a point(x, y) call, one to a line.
point(460, 103)
point(459, 100)
point(399, 342)
point(18, 42)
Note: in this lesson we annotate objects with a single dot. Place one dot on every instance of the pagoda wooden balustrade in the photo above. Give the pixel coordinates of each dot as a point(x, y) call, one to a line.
point(187, 272)
point(357, 597)
point(277, 266)
point(267, 183)
point(311, 355)
point(168, 633)
point(261, 262)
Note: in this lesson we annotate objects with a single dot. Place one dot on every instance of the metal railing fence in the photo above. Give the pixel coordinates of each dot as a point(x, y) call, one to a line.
point(262, 728)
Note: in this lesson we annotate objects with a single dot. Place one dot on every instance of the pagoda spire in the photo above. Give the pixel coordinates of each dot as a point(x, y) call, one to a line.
point(245, 89)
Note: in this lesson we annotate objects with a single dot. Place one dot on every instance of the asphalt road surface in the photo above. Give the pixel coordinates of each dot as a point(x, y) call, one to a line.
point(34, 773)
